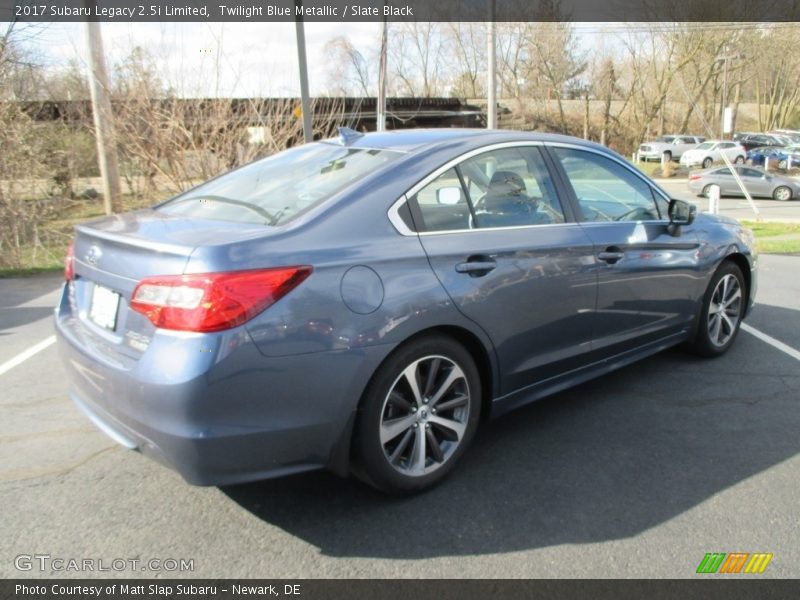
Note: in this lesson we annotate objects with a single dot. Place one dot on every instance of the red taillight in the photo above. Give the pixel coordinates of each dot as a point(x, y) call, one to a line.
point(213, 301)
point(69, 262)
point(694, 177)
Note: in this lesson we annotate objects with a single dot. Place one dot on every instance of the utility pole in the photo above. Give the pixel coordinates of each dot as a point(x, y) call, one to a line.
point(305, 102)
point(491, 66)
point(103, 120)
point(381, 108)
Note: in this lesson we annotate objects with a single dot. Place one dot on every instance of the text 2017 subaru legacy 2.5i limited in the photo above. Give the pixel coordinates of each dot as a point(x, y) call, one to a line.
point(362, 303)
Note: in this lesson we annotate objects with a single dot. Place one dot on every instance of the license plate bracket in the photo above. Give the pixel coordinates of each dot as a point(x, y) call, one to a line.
point(104, 308)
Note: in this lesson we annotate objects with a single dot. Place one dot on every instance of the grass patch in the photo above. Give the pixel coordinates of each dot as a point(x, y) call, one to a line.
point(30, 272)
point(647, 167)
point(761, 229)
point(778, 246)
point(776, 238)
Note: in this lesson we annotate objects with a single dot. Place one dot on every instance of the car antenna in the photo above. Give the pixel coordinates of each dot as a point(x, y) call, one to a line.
point(347, 136)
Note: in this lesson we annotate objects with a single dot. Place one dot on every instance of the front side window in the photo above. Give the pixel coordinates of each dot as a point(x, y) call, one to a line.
point(279, 188)
point(606, 191)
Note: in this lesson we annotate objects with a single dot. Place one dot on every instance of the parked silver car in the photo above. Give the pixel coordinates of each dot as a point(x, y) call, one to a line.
point(671, 147)
point(711, 151)
point(758, 182)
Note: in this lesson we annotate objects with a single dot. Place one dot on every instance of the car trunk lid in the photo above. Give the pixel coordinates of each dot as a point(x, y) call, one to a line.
point(112, 255)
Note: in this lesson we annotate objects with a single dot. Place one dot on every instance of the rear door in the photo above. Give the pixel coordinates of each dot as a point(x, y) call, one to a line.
point(726, 182)
point(511, 258)
point(647, 278)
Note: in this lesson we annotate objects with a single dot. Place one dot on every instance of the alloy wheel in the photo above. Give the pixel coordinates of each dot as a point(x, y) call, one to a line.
point(724, 310)
point(783, 193)
point(425, 415)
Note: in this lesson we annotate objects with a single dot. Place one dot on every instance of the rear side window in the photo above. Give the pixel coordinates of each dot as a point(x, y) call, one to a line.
point(606, 191)
point(751, 173)
point(443, 204)
point(281, 187)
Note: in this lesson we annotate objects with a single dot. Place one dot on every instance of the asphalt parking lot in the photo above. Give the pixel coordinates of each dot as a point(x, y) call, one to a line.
point(637, 474)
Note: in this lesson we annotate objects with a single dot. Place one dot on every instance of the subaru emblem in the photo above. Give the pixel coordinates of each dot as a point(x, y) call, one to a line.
point(93, 255)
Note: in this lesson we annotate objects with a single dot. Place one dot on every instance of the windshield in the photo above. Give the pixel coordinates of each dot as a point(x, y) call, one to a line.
point(277, 189)
point(705, 146)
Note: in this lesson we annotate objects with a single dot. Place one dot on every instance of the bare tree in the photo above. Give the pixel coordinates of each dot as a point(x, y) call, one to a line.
point(466, 47)
point(349, 71)
point(415, 58)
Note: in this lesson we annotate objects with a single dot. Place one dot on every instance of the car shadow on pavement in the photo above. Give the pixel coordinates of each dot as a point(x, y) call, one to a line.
point(13, 318)
point(19, 291)
point(606, 460)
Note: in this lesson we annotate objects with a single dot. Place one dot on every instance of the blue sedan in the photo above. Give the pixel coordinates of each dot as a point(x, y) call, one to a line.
point(362, 304)
point(757, 156)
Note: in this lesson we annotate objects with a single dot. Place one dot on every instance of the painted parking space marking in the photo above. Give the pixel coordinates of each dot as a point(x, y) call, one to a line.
point(777, 344)
point(25, 355)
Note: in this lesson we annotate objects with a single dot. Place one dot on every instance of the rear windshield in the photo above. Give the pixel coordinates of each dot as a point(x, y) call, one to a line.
point(279, 188)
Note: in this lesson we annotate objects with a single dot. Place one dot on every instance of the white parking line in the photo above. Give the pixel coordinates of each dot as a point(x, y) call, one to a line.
point(777, 344)
point(23, 356)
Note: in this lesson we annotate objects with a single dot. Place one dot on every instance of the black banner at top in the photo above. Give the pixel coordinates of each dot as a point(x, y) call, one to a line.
point(399, 10)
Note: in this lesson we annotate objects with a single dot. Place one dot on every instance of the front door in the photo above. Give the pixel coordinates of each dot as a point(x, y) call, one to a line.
point(648, 279)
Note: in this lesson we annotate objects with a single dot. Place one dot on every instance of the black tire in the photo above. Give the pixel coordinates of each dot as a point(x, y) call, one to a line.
point(668, 156)
point(393, 464)
point(707, 191)
point(709, 340)
point(707, 162)
point(782, 193)
point(739, 160)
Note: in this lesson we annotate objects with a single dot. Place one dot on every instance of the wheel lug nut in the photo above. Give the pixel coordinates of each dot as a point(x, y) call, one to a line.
point(433, 411)
point(425, 400)
point(413, 409)
point(415, 425)
point(427, 425)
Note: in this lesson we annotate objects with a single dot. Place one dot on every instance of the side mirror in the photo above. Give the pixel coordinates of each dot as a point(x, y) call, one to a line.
point(680, 213)
point(448, 195)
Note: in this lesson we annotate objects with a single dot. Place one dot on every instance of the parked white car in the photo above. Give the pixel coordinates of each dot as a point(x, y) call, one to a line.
point(711, 151)
point(671, 147)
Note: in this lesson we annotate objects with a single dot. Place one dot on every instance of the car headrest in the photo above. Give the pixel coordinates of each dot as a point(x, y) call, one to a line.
point(506, 192)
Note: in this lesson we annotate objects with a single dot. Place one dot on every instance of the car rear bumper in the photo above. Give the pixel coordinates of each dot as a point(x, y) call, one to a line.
point(650, 154)
point(212, 407)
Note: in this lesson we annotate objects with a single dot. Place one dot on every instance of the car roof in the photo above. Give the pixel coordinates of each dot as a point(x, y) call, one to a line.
point(410, 140)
